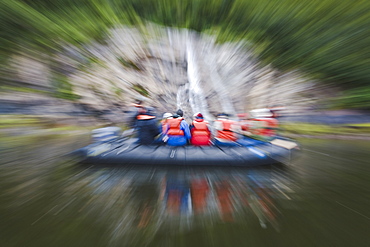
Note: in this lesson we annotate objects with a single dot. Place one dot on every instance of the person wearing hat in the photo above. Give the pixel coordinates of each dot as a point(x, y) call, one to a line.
point(163, 128)
point(146, 126)
point(133, 112)
point(177, 130)
point(166, 116)
point(226, 131)
point(199, 129)
point(180, 113)
point(264, 125)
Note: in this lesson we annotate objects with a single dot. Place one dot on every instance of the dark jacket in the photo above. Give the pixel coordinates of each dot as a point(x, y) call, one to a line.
point(132, 113)
point(147, 130)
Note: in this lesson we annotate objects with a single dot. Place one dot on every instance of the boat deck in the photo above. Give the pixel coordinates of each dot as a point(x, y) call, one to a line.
point(249, 152)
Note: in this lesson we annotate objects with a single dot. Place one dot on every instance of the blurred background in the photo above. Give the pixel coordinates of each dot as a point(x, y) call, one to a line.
point(68, 67)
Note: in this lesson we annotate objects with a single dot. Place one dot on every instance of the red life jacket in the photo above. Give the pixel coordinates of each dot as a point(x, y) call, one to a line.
point(272, 125)
point(200, 134)
point(226, 133)
point(199, 192)
point(173, 125)
point(266, 127)
point(245, 125)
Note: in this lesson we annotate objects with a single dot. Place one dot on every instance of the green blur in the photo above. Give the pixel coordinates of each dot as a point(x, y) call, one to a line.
point(326, 39)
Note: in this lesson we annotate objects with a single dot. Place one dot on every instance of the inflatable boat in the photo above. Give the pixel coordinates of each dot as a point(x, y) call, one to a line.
point(108, 149)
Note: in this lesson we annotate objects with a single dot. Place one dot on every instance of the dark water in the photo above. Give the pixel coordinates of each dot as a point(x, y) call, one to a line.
point(47, 199)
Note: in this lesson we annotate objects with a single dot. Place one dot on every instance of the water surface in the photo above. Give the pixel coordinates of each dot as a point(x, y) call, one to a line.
point(49, 199)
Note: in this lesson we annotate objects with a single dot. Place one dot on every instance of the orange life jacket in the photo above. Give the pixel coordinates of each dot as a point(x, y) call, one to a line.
point(174, 127)
point(200, 134)
point(144, 117)
point(226, 133)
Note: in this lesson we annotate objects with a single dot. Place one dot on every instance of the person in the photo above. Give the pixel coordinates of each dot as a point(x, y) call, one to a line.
point(199, 129)
point(133, 112)
point(164, 121)
point(163, 128)
point(146, 126)
point(177, 131)
point(264, 125)
point(226, 131)
point(244, 124)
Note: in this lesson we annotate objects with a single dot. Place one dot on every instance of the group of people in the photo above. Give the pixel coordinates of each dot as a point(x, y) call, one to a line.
point(173, 130)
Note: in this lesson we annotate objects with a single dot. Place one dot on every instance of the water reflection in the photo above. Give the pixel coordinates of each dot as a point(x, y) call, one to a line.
point(57, 199)
point(49, 200)
point(173, 200)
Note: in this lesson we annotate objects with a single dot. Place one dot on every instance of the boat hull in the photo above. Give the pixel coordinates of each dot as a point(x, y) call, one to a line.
point(128, 152)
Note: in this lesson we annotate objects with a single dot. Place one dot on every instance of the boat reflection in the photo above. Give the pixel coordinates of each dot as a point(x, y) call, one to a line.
point(148, 201)
point(227, 196)
point(188, 195)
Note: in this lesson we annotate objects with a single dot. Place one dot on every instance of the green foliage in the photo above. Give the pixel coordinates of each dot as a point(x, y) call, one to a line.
point(63, 89)
point(140, 89)
point(118, 92)
point(358, 98)
point(128, 64)
point(9, 121)
point(44, 24)
point(327, 39)
point(21, 89)
point(321, 129)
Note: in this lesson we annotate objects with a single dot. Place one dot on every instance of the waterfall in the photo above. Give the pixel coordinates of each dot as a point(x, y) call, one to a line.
point(197, 99)
point(181, 98)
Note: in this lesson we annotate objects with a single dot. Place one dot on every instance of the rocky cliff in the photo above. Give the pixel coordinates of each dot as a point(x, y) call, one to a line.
point(166, 68)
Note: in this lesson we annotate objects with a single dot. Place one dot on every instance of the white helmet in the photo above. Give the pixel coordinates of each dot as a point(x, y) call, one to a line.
point(167, 115)
point(261, 113)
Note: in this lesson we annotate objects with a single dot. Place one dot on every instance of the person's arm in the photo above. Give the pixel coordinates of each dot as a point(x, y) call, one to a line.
point(185, 127)
point(164, 133)
point(218, 125)
point(166, 128)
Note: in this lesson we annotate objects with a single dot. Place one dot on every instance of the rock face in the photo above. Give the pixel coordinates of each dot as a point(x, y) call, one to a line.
point(166, 68)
